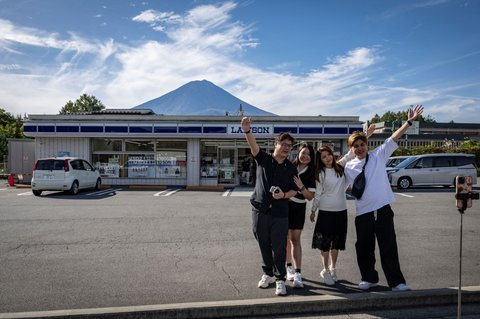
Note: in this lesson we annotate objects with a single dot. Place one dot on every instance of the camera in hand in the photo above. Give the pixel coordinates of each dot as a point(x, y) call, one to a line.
point(464, 194)
point(274, 190)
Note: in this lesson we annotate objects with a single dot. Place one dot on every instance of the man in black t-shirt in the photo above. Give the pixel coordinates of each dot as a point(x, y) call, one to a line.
point(246, 170)
point(274, 185)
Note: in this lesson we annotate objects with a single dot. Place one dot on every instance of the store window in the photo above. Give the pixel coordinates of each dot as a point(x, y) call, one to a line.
point(139, 145)
point(208, 161)
point(137, 158)
point(106, 145)
point(171, 159)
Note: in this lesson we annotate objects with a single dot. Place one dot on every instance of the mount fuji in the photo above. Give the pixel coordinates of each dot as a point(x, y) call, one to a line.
point(200, 98)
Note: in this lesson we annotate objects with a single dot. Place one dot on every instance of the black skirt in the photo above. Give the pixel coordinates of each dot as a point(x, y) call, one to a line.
point(330, 230)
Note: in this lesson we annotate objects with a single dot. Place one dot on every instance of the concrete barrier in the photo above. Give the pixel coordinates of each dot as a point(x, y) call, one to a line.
point(319, 305)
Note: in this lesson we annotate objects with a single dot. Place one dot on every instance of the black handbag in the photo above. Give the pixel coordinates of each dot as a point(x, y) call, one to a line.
point(359, 183)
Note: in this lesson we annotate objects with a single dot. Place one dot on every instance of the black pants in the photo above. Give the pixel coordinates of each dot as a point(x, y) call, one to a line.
point(271, 234)
point(368, 226)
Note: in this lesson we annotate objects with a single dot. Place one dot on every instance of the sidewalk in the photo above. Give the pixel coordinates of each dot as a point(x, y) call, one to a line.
point(314, 306)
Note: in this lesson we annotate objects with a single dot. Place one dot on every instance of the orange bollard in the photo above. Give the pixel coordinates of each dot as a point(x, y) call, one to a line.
point(11, 182)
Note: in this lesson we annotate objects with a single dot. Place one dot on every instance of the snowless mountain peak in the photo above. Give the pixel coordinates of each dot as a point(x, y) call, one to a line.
point(201, 98)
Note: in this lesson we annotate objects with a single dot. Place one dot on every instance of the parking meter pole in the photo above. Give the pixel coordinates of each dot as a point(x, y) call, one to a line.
point(459, 306)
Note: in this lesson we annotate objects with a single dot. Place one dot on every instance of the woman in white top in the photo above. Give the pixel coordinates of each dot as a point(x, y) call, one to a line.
point(330, 232)
point(374, 216)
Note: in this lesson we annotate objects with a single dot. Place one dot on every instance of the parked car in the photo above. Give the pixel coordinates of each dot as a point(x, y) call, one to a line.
point(432, 169)
point(395, 160)
point(64, 174)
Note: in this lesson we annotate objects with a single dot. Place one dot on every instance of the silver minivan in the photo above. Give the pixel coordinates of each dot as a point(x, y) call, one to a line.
point(432, 169)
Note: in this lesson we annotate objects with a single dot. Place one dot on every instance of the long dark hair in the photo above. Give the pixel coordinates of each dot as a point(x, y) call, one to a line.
point(320, 167)
point(311, 165)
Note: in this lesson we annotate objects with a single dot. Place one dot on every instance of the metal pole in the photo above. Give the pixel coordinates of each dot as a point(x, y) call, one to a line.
point(459, 307)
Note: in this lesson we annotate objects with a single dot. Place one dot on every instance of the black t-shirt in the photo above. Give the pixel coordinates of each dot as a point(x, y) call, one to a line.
point(271, 173)
point(246, 166)
point(308, 180)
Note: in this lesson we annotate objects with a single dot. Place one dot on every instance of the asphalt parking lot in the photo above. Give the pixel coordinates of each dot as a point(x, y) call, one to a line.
point(124, 247)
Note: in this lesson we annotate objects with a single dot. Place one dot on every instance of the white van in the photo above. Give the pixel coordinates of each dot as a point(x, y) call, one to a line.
point(432, 169)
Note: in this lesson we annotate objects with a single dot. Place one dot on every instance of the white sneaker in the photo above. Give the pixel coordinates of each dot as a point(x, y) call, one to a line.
point(290, 273)
point(297, 280)
point(365, 285)
point(265, 281)
point(401, 287)
point(327, 277)
point(281, 290)
point(333, 272)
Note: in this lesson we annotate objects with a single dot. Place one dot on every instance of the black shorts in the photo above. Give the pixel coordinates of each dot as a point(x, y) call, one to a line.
point(330, 230)
point(296, 215)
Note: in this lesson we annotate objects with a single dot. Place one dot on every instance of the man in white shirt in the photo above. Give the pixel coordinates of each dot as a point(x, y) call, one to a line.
point(374, 216)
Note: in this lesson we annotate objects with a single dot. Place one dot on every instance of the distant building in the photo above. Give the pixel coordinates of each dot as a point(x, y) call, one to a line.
point(424, 134)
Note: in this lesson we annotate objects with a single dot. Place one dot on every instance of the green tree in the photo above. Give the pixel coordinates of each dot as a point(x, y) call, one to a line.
point(10, 127)
point(390, 116)
point(85, 103)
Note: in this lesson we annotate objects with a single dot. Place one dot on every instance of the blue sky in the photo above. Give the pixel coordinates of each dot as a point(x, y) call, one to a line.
point(300, 57)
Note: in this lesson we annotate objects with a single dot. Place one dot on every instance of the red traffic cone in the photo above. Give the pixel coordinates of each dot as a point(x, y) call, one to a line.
point(11, 182)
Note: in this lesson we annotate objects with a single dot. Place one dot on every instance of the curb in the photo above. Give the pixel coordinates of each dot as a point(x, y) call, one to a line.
point(325, 304)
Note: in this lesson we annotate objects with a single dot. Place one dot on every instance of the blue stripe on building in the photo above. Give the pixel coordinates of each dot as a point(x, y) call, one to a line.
point(91, 129)
point(355, 129)
point(46, 129)
point(116, 129)
point(311, 130)
point(140, 129)
point(30, 128)
point(335, 130)
point(190, 129)
point(165, 129)
point(215, 129)
point(291, 129)
point(67, 129)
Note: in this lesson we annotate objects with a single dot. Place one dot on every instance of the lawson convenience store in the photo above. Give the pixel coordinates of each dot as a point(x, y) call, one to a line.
point(139, 147)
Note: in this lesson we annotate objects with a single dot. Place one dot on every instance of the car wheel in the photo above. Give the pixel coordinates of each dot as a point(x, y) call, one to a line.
point(74, 188)
point(98, 184)
point(36, 192)
point(404, 182)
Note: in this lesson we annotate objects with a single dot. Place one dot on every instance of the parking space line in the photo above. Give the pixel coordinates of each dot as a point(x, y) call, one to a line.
point(410, 196)
point(172, 192)
point(162, 192)
point(3, 189)
point(166, 192)
point(26, 193)
point(227, 192)
point(241, 192)
point(104, 192)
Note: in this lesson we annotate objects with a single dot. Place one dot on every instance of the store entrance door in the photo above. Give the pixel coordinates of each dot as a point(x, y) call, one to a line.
point(227, 174)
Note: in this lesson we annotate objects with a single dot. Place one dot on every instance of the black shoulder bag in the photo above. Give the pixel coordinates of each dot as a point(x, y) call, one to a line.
point(359, 183)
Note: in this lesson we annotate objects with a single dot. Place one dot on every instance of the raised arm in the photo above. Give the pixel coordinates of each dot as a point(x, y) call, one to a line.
point(412, 116)
point(252, 142)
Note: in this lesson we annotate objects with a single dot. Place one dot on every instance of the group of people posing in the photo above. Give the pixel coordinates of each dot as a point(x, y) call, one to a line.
point(283, 187)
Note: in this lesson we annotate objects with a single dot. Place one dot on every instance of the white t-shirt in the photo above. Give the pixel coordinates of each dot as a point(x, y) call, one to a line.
point(330, 192)
point(378, 192)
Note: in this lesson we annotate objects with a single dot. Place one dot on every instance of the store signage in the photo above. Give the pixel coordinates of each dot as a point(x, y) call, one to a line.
point(256, 129)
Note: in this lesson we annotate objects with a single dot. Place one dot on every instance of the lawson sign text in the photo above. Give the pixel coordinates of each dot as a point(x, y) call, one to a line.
point(256, 129)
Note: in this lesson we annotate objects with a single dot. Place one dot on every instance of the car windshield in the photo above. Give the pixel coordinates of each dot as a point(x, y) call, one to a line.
point(394, 161)
point(406, 162)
